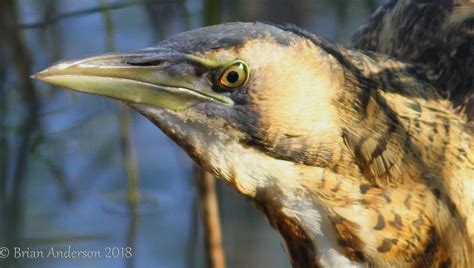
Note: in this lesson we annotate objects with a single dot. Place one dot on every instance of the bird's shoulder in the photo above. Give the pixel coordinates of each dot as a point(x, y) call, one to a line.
point(435, 33)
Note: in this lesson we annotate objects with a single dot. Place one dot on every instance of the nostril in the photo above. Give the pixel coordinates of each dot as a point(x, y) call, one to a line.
point(139, 62)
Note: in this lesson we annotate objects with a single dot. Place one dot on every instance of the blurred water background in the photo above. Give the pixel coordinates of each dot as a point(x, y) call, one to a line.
point(63, 175)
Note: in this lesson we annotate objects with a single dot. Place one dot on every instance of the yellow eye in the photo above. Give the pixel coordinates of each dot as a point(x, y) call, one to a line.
point(234, 75)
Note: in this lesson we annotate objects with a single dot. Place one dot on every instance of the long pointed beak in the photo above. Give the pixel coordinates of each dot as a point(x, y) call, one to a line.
point(141, 77)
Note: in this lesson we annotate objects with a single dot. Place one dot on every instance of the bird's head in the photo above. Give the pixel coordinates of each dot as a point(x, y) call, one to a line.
point(243, 99)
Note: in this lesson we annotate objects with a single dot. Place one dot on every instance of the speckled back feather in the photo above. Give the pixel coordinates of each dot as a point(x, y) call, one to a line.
point(436, 33)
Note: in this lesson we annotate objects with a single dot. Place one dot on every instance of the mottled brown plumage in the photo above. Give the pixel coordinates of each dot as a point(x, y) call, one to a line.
point(356, 158)
point(436, 33)
point(439, 34)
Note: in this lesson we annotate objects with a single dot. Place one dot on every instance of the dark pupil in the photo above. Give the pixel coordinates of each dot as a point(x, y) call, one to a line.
point(232, 77)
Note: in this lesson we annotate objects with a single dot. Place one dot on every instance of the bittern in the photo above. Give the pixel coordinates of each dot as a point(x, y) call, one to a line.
point(356, 158)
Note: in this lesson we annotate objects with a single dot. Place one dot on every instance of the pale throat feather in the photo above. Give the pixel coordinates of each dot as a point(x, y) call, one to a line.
point(251, 171)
